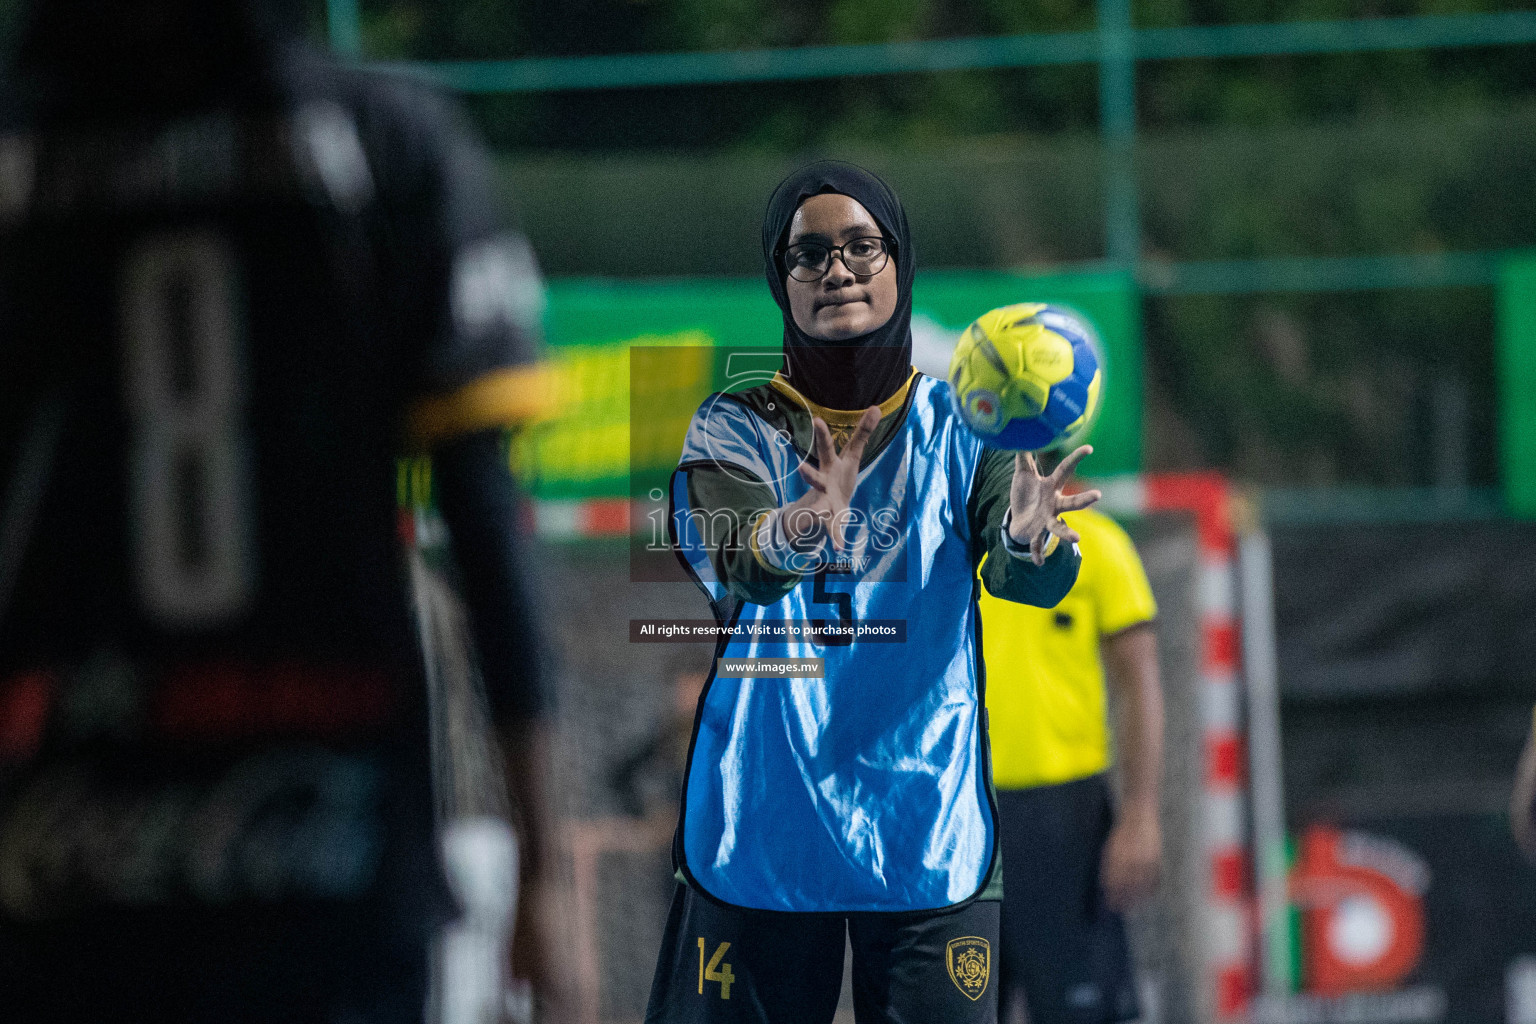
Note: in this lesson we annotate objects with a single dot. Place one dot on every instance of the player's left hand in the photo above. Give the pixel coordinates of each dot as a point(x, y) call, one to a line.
point(1036, 502)
point(1133, 859)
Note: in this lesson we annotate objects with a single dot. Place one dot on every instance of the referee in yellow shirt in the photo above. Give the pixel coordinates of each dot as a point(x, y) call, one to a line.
point(1072, 863)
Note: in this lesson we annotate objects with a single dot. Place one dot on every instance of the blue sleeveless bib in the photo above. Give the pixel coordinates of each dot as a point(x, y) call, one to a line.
point(865, 790)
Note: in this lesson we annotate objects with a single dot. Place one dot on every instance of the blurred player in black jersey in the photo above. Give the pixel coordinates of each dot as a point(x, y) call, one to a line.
point(236, 280)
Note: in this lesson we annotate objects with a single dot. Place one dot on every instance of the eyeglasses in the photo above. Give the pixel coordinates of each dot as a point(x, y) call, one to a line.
point(810, 261)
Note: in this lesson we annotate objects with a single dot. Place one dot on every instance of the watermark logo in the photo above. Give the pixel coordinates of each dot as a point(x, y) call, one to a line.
point(744, 370)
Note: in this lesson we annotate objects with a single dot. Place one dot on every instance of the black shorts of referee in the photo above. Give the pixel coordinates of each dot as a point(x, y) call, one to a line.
point(1063, 950)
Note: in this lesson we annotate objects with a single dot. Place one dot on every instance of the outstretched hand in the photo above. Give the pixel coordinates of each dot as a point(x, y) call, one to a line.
point(823, 510)
point(1036, 502)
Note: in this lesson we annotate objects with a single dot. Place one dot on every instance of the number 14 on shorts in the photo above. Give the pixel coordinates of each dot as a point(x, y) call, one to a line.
point(715, 970)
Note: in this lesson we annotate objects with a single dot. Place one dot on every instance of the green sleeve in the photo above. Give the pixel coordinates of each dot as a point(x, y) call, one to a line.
point(1004, 575)
point(735, 503)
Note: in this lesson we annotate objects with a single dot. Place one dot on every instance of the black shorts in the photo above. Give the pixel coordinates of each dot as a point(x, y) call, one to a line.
point(727, 966)
point(1061, 944)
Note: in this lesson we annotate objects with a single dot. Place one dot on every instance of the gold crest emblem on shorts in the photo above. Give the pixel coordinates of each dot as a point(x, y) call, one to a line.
point(970, 965)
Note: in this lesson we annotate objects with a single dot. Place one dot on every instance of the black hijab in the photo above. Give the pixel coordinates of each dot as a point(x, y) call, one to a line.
point(862, 371)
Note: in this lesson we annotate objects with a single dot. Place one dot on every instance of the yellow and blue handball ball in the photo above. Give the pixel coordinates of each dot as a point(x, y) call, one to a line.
point(1028, 377)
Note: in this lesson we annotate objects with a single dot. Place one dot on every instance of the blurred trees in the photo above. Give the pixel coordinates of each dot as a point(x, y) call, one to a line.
point(929, 107)
point(1370, 154)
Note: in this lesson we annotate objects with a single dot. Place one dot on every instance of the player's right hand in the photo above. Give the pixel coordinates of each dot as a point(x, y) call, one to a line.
point(823, 510)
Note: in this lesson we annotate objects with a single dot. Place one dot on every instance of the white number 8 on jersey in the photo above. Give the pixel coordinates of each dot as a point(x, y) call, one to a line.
point(189, 508)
